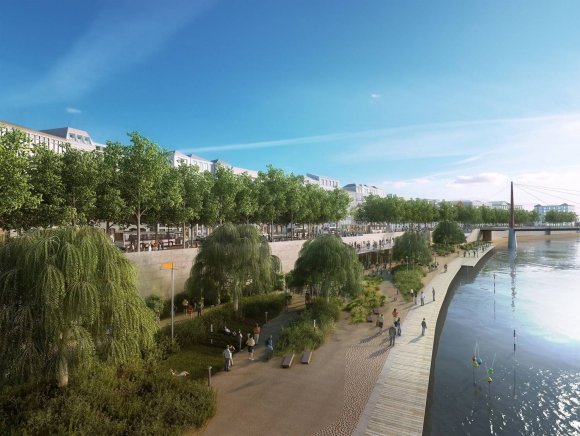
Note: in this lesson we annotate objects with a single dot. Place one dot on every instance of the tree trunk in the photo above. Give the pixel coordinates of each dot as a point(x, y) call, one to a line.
point(62, 374)
point(183, 235)
point(138, 232)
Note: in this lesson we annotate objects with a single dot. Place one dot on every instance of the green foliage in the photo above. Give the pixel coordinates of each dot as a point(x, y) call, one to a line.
point(156, 303)
point(327, 265)
point(412, 246)
point(129, 399)
point(407, 280)
point(366, 301)
point(442, 249)
point(448, 232)
point(252, 309)
point(16, 189)
point(68, 294)
point(234, 260)
point(301, 335)
point(554, 216)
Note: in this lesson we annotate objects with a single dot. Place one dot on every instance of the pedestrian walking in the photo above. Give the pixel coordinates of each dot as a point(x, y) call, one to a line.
point(257, 331)
point(399, 331)
point(270, 346)
point(422, 298)
point(445, 268)
point(251, 343)
point(433, 293)
point(227, 358)
point(380, 321)
point(423, 327)
point(395, 314)
point(392, 335)
point(199, 308)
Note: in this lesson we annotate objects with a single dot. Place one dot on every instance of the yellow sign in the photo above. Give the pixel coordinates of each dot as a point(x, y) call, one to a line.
point(167, 265)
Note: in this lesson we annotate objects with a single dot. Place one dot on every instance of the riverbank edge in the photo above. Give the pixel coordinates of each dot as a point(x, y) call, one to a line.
point(473, 271)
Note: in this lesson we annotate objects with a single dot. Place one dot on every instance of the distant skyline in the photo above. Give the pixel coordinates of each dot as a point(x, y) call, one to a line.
point(447, 100)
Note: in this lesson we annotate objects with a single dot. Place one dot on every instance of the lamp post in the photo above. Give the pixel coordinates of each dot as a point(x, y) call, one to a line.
point(170, 265)
point(407, 260)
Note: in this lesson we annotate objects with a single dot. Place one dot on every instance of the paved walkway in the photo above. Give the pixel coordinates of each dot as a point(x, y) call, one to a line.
point(397, 403)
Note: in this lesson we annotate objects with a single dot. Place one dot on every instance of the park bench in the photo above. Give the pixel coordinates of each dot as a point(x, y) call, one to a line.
point(306, 356)
point(287, 361)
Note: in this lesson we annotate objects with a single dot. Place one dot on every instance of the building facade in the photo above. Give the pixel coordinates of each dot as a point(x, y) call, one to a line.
point(56, 139)
point(326, 183)
point(542, 210)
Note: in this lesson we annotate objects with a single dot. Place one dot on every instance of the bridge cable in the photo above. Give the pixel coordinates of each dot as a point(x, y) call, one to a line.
point(547, 193)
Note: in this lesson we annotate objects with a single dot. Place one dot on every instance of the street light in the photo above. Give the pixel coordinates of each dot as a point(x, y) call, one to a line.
point(407, 260)
point(171, 266)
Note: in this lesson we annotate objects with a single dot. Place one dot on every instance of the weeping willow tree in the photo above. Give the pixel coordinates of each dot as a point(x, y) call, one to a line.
point(67, 296)
point(328, 266)
point(234, 260)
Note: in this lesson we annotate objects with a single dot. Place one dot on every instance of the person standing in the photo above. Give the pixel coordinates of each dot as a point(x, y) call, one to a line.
point(433, 293)
point(199, 308)
point(380, 322)
point(257, 331)
point(422, 298)
point(251, 343)
point(392, 335)
point(240, 339)
point(270, 346)
point(423, 327)
point(227, 358)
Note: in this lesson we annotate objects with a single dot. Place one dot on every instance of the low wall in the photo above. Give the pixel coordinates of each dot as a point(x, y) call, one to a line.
point(154, 280)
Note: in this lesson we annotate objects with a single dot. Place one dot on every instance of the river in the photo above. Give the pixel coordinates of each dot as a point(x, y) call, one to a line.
point(535, 390)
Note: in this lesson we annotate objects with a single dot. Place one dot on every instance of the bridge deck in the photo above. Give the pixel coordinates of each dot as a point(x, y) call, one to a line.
point(397, 403)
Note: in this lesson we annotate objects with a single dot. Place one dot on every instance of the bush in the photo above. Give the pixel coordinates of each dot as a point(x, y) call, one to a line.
point(134, 398)
point(300, 334)
point(407, 280)
point(369, 298)
point(156, 303)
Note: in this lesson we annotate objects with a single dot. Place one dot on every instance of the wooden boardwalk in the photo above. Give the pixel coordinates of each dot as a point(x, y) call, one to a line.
point(397, 403)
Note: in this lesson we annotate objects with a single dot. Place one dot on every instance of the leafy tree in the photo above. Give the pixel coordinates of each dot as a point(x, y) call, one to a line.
point(328, 266)
point(412, 245)
point(67, 295)
point(294, 200)
point(554, 216)
point(110, 206)
point(46, 170)
point(233, 260)
point(16, 189)
point(448, 232)
point(80, 181)
point(142, 169)
point(246, 200)
point(224, 191)
point(447, 212)
point(272, 189)
point(339, 202)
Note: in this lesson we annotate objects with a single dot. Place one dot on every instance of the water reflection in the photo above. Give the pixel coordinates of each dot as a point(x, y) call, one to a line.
point(536, 384)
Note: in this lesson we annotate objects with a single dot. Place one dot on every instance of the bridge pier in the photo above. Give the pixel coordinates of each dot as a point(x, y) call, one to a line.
point(548, 232)
point(512, 241)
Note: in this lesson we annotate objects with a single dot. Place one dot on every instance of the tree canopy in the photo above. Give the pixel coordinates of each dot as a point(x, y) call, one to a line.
point(67, 295)
point(448, 232)
point(414, 246)
point(328, 266)
point(234, 260)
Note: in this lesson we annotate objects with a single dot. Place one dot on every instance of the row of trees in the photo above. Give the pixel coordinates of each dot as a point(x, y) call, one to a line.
point(135, 184)
point(554, 216)
point(393, 209)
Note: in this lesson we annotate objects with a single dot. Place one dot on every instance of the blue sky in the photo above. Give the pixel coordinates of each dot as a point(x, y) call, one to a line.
point(446, 99)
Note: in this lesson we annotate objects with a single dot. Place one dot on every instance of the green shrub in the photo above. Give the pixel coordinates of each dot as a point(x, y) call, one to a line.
point(369, 298)
point(134, 398)
point(300, 334)
point(407, 280)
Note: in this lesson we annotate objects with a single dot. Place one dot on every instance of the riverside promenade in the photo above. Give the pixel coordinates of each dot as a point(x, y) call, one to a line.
point(398, 400)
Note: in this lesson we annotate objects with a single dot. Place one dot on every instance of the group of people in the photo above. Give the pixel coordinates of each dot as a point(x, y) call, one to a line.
point(252, 341)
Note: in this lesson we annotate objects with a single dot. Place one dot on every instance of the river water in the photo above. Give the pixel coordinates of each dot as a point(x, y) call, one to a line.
point(535, 390)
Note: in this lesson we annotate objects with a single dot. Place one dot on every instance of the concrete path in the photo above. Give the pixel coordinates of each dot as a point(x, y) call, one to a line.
point(397, 403)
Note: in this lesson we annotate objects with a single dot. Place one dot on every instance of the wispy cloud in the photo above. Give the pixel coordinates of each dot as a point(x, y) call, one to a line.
point(480, 178)
point(124, 33)
point(375, 97)
point(73, 110)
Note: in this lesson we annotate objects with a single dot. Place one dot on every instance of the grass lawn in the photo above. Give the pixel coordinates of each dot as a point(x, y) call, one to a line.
point(195, 359)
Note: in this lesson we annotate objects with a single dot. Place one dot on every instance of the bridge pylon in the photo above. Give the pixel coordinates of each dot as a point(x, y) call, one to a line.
point(512, 240)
